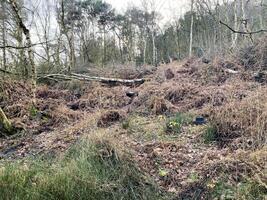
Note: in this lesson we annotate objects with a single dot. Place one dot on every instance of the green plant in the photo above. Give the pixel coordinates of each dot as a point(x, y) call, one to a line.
point(193, 177)
point(126, 124)
point(163, 173)
point(175, 124)
point(210, 134)
point(33, 111)
point(93, 169)
point(223, 189)
point(251, 190)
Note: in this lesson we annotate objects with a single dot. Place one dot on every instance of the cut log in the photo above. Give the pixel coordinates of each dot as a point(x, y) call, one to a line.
point(230, 71)
point(81, 77)
point(5, 124)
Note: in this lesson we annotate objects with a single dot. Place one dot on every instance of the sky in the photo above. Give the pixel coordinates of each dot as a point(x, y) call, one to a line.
point(167, 8)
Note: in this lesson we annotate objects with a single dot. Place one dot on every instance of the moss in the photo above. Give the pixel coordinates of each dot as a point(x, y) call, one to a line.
point(5, 124)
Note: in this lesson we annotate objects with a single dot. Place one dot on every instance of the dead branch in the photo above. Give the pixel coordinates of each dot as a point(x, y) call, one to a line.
point(5, 71)
point(24, 47)
point(230, 71)
point(81, 77)
point(242, 32)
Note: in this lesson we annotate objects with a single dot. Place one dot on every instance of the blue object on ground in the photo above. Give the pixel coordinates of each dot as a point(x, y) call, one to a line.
point(200, 121)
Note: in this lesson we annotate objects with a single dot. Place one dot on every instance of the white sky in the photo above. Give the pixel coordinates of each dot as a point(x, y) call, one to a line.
point(167, 8)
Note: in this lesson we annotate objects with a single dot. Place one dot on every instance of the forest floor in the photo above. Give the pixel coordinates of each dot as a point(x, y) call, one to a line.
point(223, 157)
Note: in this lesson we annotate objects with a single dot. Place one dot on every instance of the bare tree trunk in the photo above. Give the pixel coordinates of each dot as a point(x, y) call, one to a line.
point(104, 46)
point(70, 39)
point(244, 15)
point(144, 50)
point(26, 32)
point(191, 29)
point(245, 20)
point(262, 15)
point(72, 45)
point(5, 124)
point(81, 77)
point(235, 36)
point(4, 34)
point(72, 52)
point(154, 48)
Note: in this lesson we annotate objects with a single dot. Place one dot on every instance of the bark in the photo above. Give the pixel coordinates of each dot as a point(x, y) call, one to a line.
point(70, 39)
point(235, 36)
point(144, 49)
point(104, 46)
point(191, 29)
point(81, 77)
point(154, 48)
point(26, 32)
point(5, 124)
point(4, 35)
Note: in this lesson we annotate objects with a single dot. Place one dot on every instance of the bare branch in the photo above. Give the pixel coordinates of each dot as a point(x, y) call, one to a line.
point(243, 32)
point(24, 47)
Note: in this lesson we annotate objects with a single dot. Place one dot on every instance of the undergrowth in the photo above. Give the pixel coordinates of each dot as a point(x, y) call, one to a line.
point(175, 124)
point(209, 135)
point(93, 169)
point(223, 188)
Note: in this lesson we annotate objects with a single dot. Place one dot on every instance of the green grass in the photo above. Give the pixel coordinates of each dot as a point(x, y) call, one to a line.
point(93, 169)
point(247, 189)
point(175, 124)
point(210, 134)
point(33, 111)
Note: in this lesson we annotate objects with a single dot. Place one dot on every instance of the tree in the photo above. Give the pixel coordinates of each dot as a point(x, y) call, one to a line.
point(191, 28)
point(3, 19)
point(26, 32)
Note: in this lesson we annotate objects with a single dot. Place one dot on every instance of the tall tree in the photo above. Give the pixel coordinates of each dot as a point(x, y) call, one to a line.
point(26, 32)
point(3, 19)
point(191, 28)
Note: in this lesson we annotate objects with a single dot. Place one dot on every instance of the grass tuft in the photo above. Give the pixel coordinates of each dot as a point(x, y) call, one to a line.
point(209, 135)
point(93, 169)
point(175, 124)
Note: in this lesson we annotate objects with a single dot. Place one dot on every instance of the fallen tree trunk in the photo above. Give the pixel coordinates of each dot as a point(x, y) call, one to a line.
point(81, 77)
point(230, 71)
point(5, 124)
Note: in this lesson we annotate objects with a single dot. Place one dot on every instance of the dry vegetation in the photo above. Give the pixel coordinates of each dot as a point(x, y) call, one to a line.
point(222, 159)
